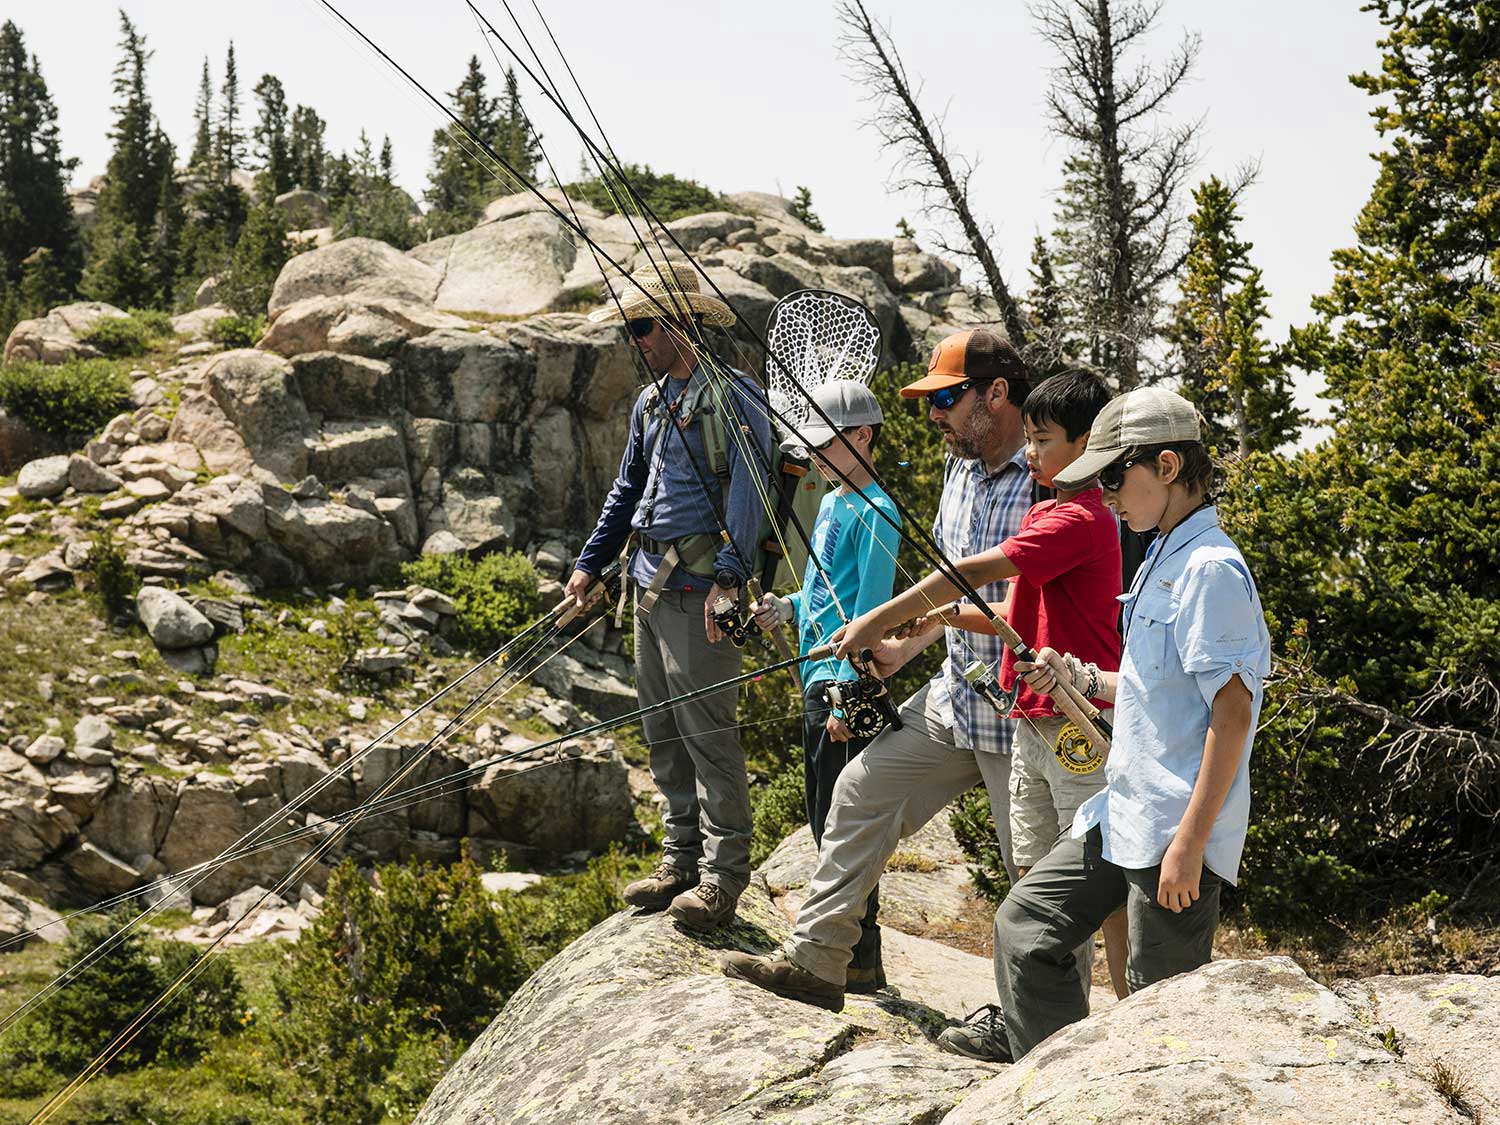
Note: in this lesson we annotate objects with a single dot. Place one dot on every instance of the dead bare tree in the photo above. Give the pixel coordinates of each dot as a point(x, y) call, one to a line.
point(1120, 236)
point(924, 161)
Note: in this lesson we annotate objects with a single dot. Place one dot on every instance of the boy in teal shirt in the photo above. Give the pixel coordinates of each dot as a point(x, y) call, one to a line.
point(856, 548)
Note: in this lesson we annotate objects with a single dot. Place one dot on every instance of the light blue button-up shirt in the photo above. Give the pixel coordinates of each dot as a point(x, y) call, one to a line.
point(1193, 620)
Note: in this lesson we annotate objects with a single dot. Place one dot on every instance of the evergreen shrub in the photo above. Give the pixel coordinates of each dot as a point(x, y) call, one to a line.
point(237, 331)
point(496, 595)
point(65, 399)
point(974, 828)
point(113, 579)
point(128, 336)
point(777, 810)
point(668, 196)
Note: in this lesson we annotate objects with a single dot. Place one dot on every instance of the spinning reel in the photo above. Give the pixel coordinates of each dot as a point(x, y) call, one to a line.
point(866, 701)
point(737, 626)
point(985, 680)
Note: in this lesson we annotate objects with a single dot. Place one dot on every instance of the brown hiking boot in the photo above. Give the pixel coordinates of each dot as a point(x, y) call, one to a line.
point(865, 982)
point(659, 888)
point(704, 907)
point(777, 974)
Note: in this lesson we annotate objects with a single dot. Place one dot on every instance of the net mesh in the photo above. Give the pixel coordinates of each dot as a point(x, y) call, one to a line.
point(815, 336)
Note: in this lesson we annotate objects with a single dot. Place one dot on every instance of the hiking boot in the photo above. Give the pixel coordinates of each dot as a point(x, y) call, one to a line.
point(864, 982)
point(659, 888)
point(777, 974)
point(704, 907)
point(980, 1036)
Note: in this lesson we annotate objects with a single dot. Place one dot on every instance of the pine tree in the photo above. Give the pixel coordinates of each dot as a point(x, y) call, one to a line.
point(905, 230)
point(203, 123)
point(273, 152)
point(259, 254)
point(1237, 379)
point(387, 161)
point(1385, 537)
point(34, 209)
point(1053, 346)
point(306, 148)
point(521, 147)
point(123, 234)
point(229, 141)
point(167, 236)
point(802, 208)
point(366, 203)
point(459, 180)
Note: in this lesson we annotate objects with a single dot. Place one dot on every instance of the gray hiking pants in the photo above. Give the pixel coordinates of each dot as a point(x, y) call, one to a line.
point(1062, 901)
point(696, 758)
point(902, 780)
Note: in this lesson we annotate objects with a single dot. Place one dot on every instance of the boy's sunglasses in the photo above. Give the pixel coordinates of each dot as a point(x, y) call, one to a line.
point(640, 327)
point(1112, 477)
point(944, 397)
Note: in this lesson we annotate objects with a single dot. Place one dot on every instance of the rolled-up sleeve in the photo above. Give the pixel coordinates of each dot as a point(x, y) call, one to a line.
point(1219, 630)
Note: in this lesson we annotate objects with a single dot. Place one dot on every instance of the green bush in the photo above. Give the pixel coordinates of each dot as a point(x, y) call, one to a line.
point(496, 596)
point(64, 399)
point(974, 828)
point(777, 810)
point(237, 331)
point(112, 578)
point(84, 1017)
point(668, 196)
point(399, 973)
point(131, 335)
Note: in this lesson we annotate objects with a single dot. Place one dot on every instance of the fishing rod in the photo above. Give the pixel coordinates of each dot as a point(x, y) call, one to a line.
point(562, 614)
point(919, 537)
point(124, 1037)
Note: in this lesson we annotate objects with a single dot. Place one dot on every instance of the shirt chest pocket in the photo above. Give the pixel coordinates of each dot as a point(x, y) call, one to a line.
point(1151, 641)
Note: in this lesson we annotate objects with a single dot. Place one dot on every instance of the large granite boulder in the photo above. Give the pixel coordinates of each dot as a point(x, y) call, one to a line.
point(634, 1023)
point(576, 804)
point(258, 395)
point(513, 267)
point(56, 337)
point(353, 266)
point(1236, 1041)
point(357, 324)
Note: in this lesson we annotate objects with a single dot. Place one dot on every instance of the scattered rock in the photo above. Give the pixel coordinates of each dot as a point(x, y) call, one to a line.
point(502, 882)
point(87, 476)
point(44, 478)
point(45, 748)
point(170, 620)
point(93, 730)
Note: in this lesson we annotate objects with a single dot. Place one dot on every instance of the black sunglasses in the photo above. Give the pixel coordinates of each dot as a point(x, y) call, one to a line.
point(1112, 477)
point(944, 397)
point(641, 326)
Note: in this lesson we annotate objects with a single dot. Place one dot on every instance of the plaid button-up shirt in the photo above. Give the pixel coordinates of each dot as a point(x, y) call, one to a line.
point(978, 510)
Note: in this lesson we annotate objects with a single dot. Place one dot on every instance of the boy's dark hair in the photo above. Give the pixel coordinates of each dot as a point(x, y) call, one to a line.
point(1071, 400)
point(1197, 470)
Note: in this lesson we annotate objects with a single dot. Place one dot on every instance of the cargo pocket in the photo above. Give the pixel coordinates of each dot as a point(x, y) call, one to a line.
point(1151, 634)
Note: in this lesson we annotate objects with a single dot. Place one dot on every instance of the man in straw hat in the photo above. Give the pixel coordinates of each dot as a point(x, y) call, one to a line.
point(674, 493)
point(950, 739)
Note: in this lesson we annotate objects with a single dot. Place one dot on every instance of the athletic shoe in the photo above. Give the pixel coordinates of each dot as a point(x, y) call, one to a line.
point(980, 1036)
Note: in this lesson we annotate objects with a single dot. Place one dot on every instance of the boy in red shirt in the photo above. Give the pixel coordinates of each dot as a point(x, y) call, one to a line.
point(1065, 563)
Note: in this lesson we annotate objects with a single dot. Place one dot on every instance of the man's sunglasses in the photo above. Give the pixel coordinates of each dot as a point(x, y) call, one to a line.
point(1112, 477)
point(944, 397)
point(641, 327)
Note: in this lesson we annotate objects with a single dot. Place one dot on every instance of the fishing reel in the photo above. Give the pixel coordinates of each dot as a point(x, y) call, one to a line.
point(737, 625)
point(986, 683)
point(865, 702)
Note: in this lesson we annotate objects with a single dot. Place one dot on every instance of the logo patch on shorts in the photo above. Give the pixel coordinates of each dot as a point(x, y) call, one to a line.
point(1074, 751)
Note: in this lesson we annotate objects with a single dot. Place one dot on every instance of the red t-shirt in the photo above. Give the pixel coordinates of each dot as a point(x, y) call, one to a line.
point(1068, 553)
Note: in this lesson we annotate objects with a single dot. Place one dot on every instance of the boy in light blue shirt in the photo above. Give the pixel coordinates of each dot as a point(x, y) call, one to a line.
point(856, 548)
point(1169, 826)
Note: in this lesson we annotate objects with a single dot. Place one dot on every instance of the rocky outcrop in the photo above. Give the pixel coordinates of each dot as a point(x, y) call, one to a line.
point(55, 338)
point(633, 1022)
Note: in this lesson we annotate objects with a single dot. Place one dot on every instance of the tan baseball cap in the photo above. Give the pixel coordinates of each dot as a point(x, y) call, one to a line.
point(1144, 416)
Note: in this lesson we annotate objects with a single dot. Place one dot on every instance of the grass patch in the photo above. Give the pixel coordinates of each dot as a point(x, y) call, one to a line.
point(912, 861)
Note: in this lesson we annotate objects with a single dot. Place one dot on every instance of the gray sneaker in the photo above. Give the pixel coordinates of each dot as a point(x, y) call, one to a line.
point(659, 888)
point(705, 907)
point(777, 974)
point(980, 1036)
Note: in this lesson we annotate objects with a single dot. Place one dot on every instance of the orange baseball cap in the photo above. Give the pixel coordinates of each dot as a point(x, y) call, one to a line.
point(975, 354)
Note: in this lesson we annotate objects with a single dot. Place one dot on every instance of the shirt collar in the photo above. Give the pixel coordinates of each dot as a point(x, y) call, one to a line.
point(975, 465)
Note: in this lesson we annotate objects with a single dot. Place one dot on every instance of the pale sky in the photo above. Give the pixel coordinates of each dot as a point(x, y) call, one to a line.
point(754, 97)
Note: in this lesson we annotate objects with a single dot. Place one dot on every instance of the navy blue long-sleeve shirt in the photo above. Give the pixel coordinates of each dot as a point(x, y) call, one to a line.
point(658, 475)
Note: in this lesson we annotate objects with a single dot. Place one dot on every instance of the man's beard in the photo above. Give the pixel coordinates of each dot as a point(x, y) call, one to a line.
point(981, 427)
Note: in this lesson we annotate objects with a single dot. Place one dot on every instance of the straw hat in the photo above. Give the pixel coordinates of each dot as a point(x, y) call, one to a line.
point(665, 290)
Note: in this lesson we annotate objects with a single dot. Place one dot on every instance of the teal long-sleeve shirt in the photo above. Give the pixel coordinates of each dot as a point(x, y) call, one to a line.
point(857, 549)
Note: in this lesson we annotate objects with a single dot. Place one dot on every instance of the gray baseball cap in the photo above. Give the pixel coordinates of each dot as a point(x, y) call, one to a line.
point(1144, 416)
point(847, 403)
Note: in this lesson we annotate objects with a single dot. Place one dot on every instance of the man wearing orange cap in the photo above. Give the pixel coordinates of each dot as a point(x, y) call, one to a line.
point(951, 739)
